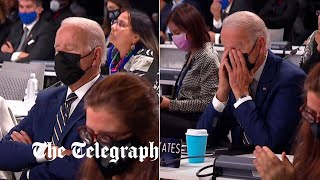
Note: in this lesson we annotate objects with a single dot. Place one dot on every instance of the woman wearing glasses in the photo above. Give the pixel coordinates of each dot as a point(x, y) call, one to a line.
point(311, 54)
point(135, 46)
point(306, 160)
point(122, 110)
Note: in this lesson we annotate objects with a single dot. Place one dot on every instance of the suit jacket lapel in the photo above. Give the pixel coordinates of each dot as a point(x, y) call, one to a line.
point(51, 111)
point(266, 78)
point(32, 34)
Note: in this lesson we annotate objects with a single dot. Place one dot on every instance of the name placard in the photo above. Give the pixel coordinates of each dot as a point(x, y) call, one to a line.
point(170, 149)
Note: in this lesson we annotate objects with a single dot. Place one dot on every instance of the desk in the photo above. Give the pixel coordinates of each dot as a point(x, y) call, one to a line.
point(19, 108)
point(187, 171)
point(50, 74)
point(172, 60)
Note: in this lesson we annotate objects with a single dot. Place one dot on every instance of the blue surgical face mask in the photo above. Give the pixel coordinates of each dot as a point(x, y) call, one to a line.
point(28, 18)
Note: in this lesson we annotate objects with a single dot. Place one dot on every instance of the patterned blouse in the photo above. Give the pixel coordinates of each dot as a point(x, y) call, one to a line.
point(200, 82)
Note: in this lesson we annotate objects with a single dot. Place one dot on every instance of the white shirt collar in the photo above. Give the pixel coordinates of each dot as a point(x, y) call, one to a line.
point(229, 7)
point(258, 73)
point(30, 26)
point(80, 93)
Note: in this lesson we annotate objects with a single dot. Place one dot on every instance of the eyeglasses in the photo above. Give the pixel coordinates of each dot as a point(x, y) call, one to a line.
point(87, 135)
point(309, 115)
point(120, 24)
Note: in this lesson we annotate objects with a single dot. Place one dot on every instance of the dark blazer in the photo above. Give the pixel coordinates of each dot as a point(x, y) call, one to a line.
point(4, 31)
point(283, 15)
point(237, 5)
point(42, 34)
point(272, 117)
point(55, 18)
point(39, 123)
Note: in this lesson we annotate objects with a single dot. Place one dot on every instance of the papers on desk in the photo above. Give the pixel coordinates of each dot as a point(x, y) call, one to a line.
point(19, 108)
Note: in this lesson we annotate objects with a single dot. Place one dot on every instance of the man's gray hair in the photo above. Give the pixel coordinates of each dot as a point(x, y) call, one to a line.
point(94, 33)
point(251, 23)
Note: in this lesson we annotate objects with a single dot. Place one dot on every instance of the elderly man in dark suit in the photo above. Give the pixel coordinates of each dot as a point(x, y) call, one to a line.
point(259, 94)
point(31, 38)
point(58, 112)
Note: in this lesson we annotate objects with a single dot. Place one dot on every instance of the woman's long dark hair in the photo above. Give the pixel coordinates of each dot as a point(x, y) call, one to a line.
point(134, 101)
point(307, 149)
point(142, 25)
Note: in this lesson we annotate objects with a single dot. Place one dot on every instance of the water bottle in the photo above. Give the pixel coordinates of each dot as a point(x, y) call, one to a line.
point(32, 88)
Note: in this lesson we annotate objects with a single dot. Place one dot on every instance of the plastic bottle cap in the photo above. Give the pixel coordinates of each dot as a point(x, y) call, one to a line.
point(197, 132)
point(33, 75)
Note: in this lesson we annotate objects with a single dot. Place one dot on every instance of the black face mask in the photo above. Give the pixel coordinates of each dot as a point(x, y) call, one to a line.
point(315, 129)
point(67, 67)
point(113, 15)
point(246, 58)
point(109, 169)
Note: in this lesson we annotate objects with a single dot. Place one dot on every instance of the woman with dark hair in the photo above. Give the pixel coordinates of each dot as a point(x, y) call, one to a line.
point(135, 46)
point(122, 110)
point(306, 160)
point(311, 54)
point(198, 80)
point(113, 9)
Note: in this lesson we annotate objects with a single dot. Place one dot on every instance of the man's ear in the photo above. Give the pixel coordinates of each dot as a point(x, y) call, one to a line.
point(97, 57)
point(39, 10)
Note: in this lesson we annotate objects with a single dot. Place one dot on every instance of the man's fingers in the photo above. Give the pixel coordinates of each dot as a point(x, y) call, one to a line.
point(19, 137)
point(229, 69)
point(10, 45)
point(14, 137)
point(225, 55)
point(26, 136)
point(232, 60)
point(242, 62)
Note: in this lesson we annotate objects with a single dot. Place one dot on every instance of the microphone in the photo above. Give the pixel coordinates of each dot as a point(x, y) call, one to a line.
point(292, 52)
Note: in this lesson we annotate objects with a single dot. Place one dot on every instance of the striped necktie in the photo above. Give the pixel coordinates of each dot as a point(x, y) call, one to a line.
point(62, 118)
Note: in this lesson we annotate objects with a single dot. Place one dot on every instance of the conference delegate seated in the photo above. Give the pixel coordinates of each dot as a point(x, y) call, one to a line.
point(259, 94)
point(31, 38)
point(311, 54)
point(198, 79)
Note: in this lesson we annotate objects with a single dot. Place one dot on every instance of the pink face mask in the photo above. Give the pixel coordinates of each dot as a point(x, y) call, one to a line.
point(181, 41)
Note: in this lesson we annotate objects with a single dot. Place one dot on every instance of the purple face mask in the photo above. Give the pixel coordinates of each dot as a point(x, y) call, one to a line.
point(181, 41)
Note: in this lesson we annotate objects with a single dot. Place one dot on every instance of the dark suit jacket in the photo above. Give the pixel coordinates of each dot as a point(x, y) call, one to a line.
point(4, 31)
point(272, 117)
point(43, 35)
point(277, 16)
point(39, 123)
point(55, 18)
point(237, 5)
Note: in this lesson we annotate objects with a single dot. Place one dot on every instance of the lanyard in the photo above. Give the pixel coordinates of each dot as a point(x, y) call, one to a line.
point(113, 68)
